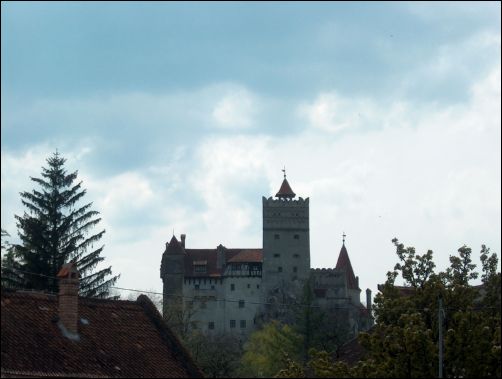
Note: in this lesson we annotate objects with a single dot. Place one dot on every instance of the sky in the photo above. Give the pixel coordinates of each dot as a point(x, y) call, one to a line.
point(179, 117)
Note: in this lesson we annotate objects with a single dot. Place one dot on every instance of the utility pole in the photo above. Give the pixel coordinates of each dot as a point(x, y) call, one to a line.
point(440, 342)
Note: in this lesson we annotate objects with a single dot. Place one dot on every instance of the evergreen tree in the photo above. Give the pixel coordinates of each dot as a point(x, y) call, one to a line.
point(56, 231)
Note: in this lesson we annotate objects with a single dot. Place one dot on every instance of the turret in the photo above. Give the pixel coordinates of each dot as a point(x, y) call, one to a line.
point(172, 272)
point(344, 264)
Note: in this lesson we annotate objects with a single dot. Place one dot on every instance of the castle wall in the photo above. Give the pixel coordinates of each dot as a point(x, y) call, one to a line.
point(229, 303)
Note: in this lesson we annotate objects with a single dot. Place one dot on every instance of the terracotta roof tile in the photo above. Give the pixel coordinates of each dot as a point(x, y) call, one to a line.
point(210, 256)
point(344, 263)
point(285, 190)
point(116, 339)
point(248, 255)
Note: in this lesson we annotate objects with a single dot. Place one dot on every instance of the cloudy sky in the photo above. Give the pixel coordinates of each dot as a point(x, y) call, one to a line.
point(180, 116)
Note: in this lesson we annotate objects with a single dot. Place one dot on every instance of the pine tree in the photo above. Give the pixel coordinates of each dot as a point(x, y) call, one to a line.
point(56, 232)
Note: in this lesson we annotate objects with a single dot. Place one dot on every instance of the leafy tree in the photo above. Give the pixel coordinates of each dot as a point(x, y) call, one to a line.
point(268, 349)
point(217, 355)
point(472, 328)
point(404, 342)
point(56, 231)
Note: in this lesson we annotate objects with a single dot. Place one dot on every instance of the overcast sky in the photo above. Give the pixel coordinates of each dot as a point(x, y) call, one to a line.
point(180, 116)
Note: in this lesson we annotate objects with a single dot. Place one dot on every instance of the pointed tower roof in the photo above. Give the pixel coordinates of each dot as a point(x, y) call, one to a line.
point(344, 264)
point(285, 191)
point(174, 247)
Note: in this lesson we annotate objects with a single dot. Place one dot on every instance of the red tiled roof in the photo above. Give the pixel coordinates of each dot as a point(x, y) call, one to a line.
point(248, 255)
point(116, 339)
point(210, 255)
point(285, 190)
point(344, 263)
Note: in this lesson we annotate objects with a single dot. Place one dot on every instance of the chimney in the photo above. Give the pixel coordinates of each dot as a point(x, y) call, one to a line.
point(183, 238)
point(68, 298)
point(368, 299)
point(220, 256)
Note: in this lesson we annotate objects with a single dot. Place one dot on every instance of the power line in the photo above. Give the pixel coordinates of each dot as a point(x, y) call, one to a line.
point(204, 298)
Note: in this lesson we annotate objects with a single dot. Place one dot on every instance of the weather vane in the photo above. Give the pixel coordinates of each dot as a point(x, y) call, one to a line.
point(284, 171)
point(343, 237)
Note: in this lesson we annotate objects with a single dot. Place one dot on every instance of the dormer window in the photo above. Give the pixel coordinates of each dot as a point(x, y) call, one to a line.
point(200, 267)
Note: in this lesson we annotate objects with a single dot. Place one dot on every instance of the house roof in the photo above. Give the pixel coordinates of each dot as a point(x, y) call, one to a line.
point(210, 256)
point(344, 264)
point(116, 339)
point(285, 190)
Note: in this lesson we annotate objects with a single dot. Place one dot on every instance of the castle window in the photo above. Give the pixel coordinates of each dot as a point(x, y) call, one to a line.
point(276, 236)
point(197, 286)
point(295, 269)
point(279, 269)
point(241, 303)
point(212, 287)
point(200, 267)
point(296, 255)
point(249, 285)
point(210, 325)
point(232, 287)
point(232, 323)
point(243, 324)
point(258, 286)
point(297, 236)
point(277, 255)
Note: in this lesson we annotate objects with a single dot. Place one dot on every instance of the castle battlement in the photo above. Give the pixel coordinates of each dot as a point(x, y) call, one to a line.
point(281, 202)
point(325, 271)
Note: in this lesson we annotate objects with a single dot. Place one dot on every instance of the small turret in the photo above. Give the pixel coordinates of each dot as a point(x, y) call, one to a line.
point(172, 272)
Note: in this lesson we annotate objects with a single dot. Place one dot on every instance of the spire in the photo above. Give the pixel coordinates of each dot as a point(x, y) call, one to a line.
point(344, 264)
point(285, 192)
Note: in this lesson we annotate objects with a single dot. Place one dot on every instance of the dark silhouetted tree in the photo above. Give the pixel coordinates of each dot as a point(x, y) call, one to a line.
point(57, 230)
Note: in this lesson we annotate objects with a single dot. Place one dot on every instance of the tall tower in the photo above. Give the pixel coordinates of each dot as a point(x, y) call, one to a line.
point(286, 242)
point(172, 271)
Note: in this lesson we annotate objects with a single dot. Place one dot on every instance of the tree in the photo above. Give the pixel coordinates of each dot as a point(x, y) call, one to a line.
point(56, 231)
point(404, 341)
point(216, 355)
point(10, 266)
point(472, 327)
point(268, 349)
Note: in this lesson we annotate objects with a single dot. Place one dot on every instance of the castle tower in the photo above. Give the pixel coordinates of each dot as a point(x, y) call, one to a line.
point(286, 243)
point(172, 271)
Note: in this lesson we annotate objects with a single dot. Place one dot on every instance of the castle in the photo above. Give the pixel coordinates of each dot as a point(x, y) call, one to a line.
point(224, 290)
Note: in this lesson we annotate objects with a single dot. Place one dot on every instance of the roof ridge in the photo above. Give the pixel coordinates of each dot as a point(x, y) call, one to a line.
point(168, 336)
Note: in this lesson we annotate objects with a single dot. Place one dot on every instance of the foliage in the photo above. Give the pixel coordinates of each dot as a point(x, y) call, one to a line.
point(216, 355)
point(10, 266)
point(404, 342)
point(268, 349)
point(56, 231)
